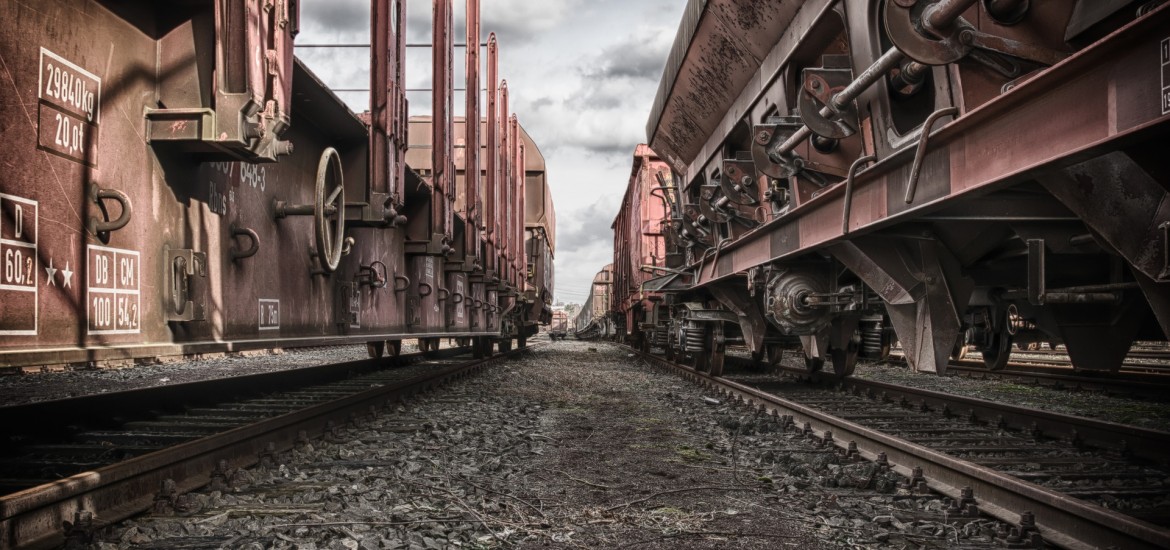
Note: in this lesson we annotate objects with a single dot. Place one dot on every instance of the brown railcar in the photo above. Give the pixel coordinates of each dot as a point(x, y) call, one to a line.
point(640, 252)
point(175, 181)
point(970, 173)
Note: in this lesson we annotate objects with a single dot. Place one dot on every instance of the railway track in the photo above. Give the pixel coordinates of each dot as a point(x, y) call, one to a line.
point(1052, 369)
point(1135, 384)
point(1061, 480)
point(80, 464)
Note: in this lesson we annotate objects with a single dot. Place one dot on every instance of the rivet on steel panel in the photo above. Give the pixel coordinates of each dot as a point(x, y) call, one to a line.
point(920, 153)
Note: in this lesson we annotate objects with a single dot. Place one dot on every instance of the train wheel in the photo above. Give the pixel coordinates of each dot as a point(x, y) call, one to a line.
point(718, 348)
point(996, 355)
point(522, 342)
point(845, 360)
point(375, 349)
point(702, 361)
point(960, 350)
point(814, 364)
point(505, 346)
point(775, 354)
point(757, 361)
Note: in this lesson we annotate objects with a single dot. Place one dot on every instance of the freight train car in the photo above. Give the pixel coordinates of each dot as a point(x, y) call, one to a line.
point(532, 270)
point(559, 327)
point(593, 320)
point(175, 181)
point(970, 172)
point(640, 251)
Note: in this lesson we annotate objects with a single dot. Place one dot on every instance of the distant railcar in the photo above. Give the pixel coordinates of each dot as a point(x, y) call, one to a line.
point(968, 173)
point(640, 232)
point(174, 181)
point(594, 320)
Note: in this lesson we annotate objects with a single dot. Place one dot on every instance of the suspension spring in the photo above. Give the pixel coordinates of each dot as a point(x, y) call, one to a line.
point(694, 340)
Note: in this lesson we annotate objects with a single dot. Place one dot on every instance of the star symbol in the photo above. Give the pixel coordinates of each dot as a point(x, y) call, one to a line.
point(52, 273)
point(67, 276)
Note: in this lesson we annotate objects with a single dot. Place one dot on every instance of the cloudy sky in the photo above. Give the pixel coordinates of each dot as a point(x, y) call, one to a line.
point(581, 76)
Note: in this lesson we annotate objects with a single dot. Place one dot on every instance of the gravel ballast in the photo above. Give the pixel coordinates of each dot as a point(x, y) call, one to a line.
point(573, 444)
point(18, 388)
point(1143, 413)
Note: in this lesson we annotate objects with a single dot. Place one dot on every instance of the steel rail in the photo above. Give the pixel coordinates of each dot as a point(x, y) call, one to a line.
point(1136, 384)
point(1142, 442)
point(43, 416)
point(1062, 520)
point(33, 518)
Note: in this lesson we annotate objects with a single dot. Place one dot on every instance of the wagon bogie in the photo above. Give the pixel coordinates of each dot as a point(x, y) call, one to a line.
point(923, 152)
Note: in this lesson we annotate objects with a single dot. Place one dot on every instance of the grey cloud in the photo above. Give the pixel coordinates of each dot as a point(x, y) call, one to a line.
point(540, 103)
point(335, 16)
point(590, 226)
point(595, 97)
point(515, 22)
point(638, 56)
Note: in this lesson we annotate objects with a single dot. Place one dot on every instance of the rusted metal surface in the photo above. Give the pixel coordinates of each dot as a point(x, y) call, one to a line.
point(491, 157)
point(1013, 121)
point(720, 47)
point(640, 250)
point(504, 188)
point(593, 320)
point(388, 112)
point(924, 230)
point(153, 161)
point(472, 179)
point(538, 222)
point(442, 122)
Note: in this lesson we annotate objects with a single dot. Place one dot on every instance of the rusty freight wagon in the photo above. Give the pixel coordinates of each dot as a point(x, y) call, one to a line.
point(640, 231)
point(175, 181)
point(528, 270)
point(972, 173)
point(594, 319)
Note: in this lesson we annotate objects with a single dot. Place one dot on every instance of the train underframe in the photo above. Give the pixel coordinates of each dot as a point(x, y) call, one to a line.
point(838, 230)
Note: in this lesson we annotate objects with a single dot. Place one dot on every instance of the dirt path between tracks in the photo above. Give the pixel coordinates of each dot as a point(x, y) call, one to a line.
point(573, 445)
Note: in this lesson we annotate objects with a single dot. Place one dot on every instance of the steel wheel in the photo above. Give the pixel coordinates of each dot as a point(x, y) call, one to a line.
point(995, 356)
point(845, 360)
point(814, 364)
